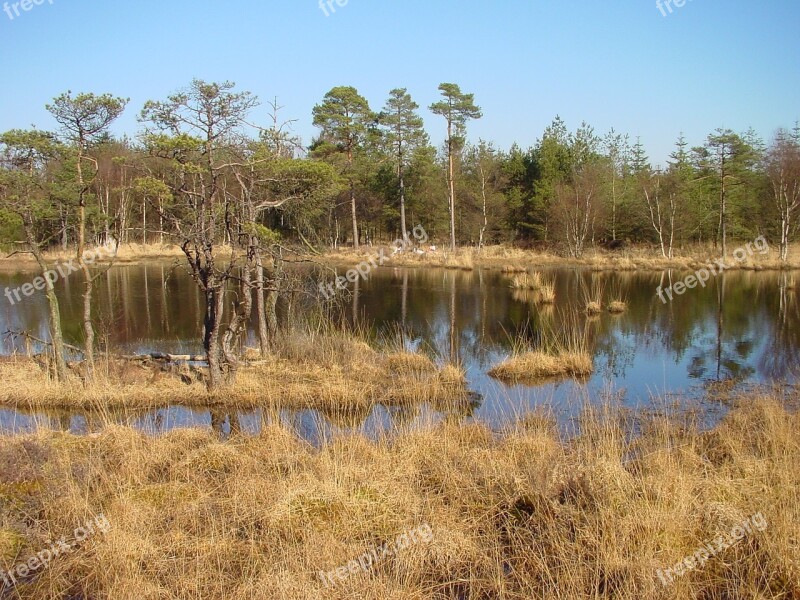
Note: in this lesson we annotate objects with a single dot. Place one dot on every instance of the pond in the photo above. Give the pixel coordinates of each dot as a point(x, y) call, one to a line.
point(742, 329)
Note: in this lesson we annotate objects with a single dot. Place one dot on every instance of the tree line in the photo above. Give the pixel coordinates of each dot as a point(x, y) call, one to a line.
point(571, 190)
point(203, 172)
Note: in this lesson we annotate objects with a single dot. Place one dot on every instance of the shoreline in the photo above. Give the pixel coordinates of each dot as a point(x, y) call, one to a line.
point(504, 258)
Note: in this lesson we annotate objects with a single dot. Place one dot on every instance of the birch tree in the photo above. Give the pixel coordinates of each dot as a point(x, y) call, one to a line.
point(783, 170)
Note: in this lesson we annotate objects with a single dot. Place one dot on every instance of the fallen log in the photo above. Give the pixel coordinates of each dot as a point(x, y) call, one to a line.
point(168, 357)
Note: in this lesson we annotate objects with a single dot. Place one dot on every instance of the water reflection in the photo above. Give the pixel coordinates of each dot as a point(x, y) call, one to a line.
point(743, 327)
point(314, 426)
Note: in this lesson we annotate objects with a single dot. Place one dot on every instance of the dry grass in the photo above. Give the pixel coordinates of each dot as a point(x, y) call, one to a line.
point(526, 515)
point(511, 269)
point(128, 254)
point(593, 295)
point(534, 288)
point(617, 307)
point(527, 281)
point(534, 366)
point(547, 292)
point(619, 298)
point(593, 308)
point(505, 258)
point(514, 260)
point(559, 353)
point(314, 367)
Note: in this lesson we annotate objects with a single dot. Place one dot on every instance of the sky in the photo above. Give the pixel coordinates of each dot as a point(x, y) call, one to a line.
point(618, 64)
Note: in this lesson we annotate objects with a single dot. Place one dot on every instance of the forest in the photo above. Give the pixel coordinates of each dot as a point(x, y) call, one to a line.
point(372, 174)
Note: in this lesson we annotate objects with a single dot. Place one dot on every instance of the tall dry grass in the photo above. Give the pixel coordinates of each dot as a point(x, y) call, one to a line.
point(315, 365)
point(524, 515)
point(593, 294)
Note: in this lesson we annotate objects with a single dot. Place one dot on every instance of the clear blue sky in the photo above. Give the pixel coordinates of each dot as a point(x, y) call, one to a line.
point(619, 63)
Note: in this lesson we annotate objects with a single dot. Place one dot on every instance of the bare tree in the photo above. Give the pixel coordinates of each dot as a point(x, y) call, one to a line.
point(576, 208)
point(662, 205)
point(783, 170)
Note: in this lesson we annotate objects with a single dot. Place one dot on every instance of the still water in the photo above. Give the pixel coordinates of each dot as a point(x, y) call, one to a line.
point(742, 330)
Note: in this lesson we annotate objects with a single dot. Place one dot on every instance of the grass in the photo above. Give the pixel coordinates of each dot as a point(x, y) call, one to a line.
point(619, 300)
point(593, 296)
point(506, 258)
point(527, 281)
point(542, 288)
point(593, 308)
point(315, 366)
point(537, 365)
point(511, 260)
point(617, 307)
point(528, 514)
point(547, 292)
point(127, 254)
point(558, 353)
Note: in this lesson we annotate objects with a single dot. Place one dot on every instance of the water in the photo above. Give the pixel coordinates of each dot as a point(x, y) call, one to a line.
point(743, 329)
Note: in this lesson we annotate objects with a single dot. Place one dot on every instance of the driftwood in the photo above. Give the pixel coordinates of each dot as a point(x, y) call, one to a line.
point(168, 357)
point(151, 356)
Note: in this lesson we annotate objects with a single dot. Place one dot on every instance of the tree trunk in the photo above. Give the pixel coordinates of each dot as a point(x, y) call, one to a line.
point(215, 305)
point(785, 228)
point(56, 333)
point(242, 309)
point(403, 230)
point(452, 185)
point(723, 221)
point(88, 329)
point(263, 331)
point(353, 198)
point(485, 217)
point(274, 274)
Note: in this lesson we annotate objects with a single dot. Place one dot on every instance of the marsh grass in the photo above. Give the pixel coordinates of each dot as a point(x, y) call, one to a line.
point(534, 288)
point(527, 281)
point(618, 303)
point(511, 259)
point(547, 291)
point(528, 514)
point(558, 353)
point(315, 365)
point(592, 295)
